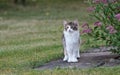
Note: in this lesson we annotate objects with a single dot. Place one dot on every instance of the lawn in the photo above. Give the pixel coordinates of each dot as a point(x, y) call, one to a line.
point(30, 36)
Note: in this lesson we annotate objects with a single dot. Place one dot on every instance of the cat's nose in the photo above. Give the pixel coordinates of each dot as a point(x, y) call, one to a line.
point(70, 30)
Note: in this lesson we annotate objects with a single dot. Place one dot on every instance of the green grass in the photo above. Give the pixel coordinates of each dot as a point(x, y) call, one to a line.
point(31, 36)
point(92, 71)
point(29, 44)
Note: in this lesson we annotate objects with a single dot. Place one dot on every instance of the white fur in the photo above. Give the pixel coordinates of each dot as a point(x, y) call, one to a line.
point(72, 45)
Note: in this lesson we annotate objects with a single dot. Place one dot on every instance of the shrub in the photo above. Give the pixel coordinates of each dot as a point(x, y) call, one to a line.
point(107, 26)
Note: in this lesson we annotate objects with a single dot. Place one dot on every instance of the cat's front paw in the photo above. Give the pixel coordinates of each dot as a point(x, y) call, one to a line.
point(78, 57)
point(65, 59)
point(72, 60)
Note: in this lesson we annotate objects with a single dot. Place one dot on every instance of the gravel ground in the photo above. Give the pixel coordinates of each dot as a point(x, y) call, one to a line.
point(93, 58)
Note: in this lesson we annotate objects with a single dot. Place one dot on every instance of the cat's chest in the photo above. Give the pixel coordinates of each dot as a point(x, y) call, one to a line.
point(71, 37)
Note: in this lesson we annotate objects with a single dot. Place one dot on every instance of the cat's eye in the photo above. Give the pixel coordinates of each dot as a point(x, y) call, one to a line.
point(67, 27)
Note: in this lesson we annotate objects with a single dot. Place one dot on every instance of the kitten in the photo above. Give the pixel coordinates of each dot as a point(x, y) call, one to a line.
point(71, 41)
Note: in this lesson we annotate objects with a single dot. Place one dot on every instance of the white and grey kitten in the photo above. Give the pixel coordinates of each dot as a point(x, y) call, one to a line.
point(71, 41)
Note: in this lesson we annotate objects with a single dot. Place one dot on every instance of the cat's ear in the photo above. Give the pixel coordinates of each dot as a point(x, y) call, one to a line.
point(64, 22)
point(76, 22)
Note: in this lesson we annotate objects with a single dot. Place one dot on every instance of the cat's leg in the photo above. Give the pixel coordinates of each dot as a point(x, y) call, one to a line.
point(72, 56)
point(69, 55)
point(64, 48)
point(77, 51)
point(65, 56)
point(78, 54)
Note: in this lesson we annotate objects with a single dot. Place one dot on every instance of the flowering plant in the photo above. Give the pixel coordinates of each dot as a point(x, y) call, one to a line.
point(107, 26)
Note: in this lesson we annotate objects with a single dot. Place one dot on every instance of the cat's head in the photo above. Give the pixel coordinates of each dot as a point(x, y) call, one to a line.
point(71, 26)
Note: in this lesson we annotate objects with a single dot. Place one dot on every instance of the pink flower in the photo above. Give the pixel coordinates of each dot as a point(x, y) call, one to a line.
point(117, 16)
point(100, 1)
point(87, 30)
point(96, 1)
point(85, 25)
point(104, 1)
point(90, 9)
point(111, 29)
point(98, 24)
